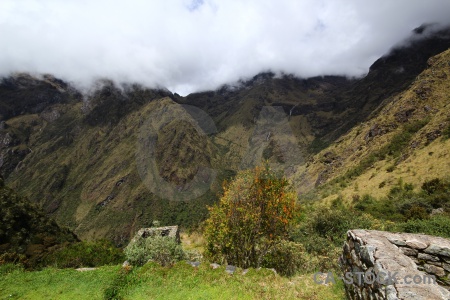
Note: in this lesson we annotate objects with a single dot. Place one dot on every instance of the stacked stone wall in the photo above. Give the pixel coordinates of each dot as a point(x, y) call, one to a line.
point(384, 265)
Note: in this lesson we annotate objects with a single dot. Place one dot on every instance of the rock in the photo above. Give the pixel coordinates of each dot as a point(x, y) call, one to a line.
point(230, 269)
point(389, 261)
point(85, 269)
point(403, 116)
point(416, 244)
point(125, 264)
point(214, 265)
point(391, 293)
point(375, 130)
point(415, 260)
point(409, 251)
point(367, 255)
point(438, 250)
point(357, 247)
point(437, 211)
point(438, 271)
point(431, 136)
point(346, 247)
point(355, 259)
point(50, 115)
point(194, 263)
point(427, 257)
point(446, 267)
point(244, 271)
point(397, 242)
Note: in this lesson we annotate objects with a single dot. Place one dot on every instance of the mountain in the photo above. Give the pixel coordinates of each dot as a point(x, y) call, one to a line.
point(407, 139)
point(114, 160)
point(26, 230)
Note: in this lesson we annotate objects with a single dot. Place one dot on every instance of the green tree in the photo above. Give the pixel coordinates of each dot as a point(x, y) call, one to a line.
point(250, 218)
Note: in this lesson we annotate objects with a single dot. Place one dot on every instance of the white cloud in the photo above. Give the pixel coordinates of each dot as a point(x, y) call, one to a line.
point(192, 45)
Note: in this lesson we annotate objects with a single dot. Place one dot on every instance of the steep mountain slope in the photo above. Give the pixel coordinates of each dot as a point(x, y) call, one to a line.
point(407, 139)
point(26, 230)
point(392, 74)
point(112, 161)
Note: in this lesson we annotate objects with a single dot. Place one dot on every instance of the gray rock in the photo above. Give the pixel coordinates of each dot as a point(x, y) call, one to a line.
point(438, 250)
point(437, 211)
point(397, 242)
point(346, 247)
point(416, 244)
point(230, 269)
point(428, 257)
point(387, 259)
point(85, 269)
point(409, 251)
point(357, 247)
point(367, 255)
point(435, 263)
point(438, 271)
point(355, 259)
point(245, 271)
point(194, 263)
point(214, 265)
point(446, 267)
point(125, 264)
point(391, 293)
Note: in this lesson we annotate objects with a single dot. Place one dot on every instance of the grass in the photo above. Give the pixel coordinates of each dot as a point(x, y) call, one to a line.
point(151, 281)
point(56, 283)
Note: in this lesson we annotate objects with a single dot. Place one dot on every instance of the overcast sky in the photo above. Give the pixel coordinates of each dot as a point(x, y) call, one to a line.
point(193, 45)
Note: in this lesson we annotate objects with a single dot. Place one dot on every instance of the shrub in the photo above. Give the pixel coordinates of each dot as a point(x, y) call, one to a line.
point(286, 257)
point(446, 132)
point(253, 214)
point(432, 186)
point(437, 225)
point(162, 250)
point(325, 228)
point(416, 212)
point(403, 204)
point(85, 254)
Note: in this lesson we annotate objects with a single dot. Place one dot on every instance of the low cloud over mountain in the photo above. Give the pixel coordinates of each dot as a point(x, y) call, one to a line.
point(195, 45)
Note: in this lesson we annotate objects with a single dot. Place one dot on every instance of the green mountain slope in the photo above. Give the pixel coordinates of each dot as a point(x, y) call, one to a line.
point(26, 230)
point(110, 162)
point(406, 139)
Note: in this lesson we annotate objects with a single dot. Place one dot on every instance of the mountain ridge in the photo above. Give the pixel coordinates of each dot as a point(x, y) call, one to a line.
point(77, 158)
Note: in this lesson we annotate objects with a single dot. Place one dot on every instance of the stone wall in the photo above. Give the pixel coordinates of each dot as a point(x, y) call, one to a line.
point(168, 231)
point(414, 261)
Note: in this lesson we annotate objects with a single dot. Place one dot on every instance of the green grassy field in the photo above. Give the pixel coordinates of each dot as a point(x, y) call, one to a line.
point(151, 281)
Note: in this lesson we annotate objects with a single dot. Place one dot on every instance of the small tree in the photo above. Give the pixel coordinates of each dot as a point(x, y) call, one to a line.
point(252, 215)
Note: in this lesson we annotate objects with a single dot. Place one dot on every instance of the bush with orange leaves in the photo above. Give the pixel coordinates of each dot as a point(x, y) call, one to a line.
point(252, 216)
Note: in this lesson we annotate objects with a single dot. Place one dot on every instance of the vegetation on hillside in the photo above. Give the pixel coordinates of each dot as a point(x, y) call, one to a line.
point(27, 235)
